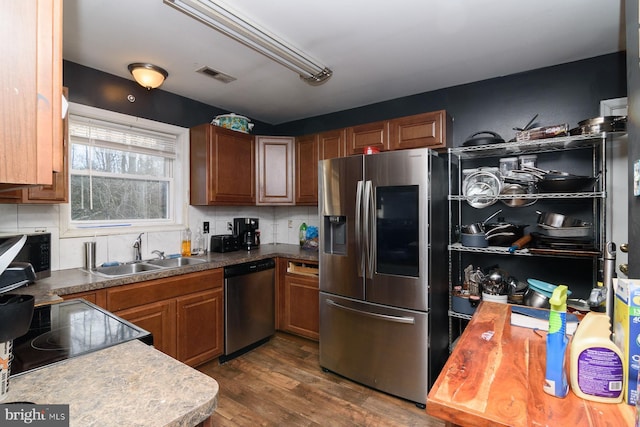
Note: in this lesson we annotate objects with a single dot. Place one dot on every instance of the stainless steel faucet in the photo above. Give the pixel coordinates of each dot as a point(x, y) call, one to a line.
point(137, 247)
point(159, 253)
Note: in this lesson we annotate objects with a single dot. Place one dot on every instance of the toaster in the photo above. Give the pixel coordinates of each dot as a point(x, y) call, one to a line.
point(224, 243)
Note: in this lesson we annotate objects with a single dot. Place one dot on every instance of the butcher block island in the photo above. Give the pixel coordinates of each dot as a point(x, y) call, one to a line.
point(494, 377)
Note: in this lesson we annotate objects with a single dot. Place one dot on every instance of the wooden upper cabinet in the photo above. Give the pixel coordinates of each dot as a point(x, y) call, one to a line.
point(331, 144)
point(222, 166)
point(58, 192)
point(374, 134)
point(30, 124)
point(307, 170)
point(432, 130)
point(274, 175)
point(310, 149)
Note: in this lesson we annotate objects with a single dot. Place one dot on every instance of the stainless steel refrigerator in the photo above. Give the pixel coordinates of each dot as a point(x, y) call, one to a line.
point(383, 269)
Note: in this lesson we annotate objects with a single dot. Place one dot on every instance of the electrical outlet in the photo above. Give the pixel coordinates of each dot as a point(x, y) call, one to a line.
point(205, 227)
point(229, 226)
point(290, 225)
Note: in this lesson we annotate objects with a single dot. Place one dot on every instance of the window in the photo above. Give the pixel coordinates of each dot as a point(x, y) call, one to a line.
point(122, 173)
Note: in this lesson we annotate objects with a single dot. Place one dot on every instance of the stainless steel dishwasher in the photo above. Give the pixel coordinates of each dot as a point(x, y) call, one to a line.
point(249, 315)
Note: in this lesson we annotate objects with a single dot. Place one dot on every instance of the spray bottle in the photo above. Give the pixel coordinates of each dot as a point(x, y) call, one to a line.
point(555, 381)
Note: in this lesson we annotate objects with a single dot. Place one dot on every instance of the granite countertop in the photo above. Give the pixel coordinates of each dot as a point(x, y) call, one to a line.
point(64, 282)
point(130, 384)
point(149, 388)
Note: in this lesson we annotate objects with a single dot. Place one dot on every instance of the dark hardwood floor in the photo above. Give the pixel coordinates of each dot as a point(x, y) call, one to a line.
point(281, 384)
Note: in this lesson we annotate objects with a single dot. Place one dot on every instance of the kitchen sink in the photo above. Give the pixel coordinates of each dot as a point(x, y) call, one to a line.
point(125, 269)
point(175, 262)
point(145, 266)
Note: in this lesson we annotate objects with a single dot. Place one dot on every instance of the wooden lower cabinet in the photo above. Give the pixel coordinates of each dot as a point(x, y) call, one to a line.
point(97, 297)
point(157, 318)
point(298, 302)
point(184, 313)
point(200, 335)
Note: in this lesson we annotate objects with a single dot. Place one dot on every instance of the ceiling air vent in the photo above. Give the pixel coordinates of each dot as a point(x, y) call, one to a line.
point(224, 78)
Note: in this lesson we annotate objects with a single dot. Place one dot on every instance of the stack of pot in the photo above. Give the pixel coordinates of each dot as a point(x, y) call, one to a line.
point(483, 234)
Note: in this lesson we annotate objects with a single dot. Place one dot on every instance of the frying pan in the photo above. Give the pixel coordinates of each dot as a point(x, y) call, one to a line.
point(600, 124)
point(565, 183)
point(551, 181)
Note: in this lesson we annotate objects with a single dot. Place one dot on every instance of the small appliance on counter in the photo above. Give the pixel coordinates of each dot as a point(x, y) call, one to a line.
point(36, 251)
point(224, 243)
point(16, 275)
point(247, 231)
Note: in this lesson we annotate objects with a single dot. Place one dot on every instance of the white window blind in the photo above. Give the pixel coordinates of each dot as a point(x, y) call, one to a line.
point(119, 173)
point(98, 132)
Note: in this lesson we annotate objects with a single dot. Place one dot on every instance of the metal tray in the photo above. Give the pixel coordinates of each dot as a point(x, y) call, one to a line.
point(576, 231)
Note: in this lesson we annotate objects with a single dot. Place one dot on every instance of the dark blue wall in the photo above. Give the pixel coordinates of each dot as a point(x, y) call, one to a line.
point(565, 93)
point(91, 87)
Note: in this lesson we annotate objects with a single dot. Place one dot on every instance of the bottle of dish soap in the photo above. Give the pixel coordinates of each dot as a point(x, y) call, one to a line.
point(555, 379)
point(303, 234)
point(596, 367)
point(186, 242)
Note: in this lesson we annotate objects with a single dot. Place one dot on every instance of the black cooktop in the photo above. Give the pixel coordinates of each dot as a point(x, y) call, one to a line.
point(69, 329)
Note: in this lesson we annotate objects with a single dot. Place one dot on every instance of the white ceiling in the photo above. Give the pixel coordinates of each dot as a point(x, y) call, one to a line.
point(378, 50)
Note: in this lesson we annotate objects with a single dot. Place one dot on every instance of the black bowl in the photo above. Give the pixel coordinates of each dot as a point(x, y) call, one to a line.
point(16, 312)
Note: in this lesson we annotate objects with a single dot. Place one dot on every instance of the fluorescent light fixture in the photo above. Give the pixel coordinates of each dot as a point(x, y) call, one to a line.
point(248, 33)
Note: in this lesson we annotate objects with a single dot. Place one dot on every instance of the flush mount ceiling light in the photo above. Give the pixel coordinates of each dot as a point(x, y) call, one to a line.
point(251, 35)
point(148, 75)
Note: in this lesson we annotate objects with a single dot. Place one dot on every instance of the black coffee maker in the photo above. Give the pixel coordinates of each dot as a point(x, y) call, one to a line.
point(247, 231)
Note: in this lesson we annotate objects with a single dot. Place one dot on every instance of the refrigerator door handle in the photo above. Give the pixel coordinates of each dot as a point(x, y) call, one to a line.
point(360, 260)
point(369, 211)
point(397, 319)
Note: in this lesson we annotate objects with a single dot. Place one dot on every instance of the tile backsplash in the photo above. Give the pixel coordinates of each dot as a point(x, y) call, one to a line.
point(278, 224)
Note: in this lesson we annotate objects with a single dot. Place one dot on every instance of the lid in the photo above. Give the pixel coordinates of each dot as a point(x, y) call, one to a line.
point(231, 115)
